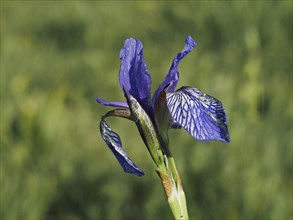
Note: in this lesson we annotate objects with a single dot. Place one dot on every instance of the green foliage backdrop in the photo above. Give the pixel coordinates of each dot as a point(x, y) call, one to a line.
point(56, 57)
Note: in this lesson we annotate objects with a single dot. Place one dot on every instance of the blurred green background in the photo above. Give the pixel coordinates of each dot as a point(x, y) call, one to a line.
point(56, 57)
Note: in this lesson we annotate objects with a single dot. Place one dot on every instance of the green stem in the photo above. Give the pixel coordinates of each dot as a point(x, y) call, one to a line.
point(173, 189)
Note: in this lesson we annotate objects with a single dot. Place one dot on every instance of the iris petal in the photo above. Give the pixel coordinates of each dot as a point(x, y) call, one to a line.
point(134, 76)
point(173, 75)
point(113, 141)
point(199, 114)
point(117, 104)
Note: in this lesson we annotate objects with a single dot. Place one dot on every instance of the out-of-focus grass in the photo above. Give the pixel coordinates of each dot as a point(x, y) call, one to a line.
point(56, 57)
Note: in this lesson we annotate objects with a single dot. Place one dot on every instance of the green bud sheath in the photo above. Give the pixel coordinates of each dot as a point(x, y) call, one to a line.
point(146, 130)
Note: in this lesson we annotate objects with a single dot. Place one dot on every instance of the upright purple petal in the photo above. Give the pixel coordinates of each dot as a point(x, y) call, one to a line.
point(173, 75)
point(134, 76)
point(116, 104)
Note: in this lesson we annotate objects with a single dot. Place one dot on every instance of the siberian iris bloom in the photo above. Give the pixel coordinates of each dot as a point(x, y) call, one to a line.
point(201, 115)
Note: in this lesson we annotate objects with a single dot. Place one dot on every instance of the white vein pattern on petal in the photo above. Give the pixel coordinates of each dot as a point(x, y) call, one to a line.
point(201, 115)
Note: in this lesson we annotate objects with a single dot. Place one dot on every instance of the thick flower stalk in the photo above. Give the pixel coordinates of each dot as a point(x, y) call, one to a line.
point(201, 115)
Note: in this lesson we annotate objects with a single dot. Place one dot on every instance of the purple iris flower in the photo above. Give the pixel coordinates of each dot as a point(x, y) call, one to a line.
point(201, 115)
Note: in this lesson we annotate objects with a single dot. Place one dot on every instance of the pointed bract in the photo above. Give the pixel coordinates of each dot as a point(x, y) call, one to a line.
point(146, 128)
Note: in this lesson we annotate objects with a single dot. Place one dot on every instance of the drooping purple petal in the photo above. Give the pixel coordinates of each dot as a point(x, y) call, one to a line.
point(113, 141)
point(199, 114)
point(134, 76)
point(116, 104)
point(173, 75)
